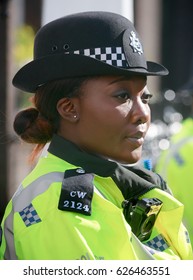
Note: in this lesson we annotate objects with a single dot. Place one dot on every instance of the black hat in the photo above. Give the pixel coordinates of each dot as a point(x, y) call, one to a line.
point(85, 44)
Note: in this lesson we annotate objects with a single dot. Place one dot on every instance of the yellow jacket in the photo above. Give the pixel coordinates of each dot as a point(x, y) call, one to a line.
point(80, 216)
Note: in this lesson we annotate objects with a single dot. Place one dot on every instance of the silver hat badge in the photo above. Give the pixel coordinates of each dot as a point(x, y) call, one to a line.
point(135, 43)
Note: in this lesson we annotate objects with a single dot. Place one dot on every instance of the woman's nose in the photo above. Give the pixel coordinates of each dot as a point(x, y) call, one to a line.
point(140, 112)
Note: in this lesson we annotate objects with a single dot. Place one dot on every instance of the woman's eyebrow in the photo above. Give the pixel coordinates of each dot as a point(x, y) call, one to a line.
point(119, 80)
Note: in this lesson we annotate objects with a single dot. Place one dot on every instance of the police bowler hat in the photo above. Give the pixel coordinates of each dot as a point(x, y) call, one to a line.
point(85, 44)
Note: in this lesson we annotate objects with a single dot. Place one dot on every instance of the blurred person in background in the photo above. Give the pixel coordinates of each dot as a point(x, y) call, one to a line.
point(175, 164)
point(86, 198)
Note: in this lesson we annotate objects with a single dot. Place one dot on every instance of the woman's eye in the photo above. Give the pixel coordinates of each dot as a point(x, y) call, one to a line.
point(123, 95)
point(146, 97)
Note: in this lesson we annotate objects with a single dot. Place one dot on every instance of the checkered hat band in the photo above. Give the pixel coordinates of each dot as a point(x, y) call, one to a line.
point(110, 55)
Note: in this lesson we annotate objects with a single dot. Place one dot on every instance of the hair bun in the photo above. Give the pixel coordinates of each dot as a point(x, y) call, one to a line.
point(24, 119)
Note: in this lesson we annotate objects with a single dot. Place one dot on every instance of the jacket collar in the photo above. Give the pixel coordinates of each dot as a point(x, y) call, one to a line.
point(132, 182)
point(69, 152)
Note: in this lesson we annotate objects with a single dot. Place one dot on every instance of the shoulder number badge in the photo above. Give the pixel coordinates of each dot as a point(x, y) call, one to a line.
point(77, 192)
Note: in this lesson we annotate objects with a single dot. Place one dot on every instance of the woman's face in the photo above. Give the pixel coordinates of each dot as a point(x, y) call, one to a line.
point(113, 117)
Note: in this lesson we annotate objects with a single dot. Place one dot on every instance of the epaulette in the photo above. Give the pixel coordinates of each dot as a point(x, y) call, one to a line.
point(77, 191)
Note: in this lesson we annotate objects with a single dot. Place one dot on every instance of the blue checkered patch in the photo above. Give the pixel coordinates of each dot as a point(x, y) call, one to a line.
point(157, 243)
point(29, 215)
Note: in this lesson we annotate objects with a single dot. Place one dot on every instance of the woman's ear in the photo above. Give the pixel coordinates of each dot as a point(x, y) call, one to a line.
point(66, 107)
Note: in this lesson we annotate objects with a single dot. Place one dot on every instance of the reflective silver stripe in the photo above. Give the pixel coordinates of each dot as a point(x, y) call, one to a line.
point(10, 253)
point(40, 185)
point(20, 200)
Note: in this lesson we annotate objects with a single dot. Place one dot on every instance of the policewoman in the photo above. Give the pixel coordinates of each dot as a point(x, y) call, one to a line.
point(86, 198)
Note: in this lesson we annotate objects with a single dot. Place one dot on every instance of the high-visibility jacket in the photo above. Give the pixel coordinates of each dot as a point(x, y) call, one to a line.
point(55, 216)
point(176, 167)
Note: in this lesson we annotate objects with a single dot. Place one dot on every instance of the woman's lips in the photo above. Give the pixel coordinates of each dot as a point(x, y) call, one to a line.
point(136, 138)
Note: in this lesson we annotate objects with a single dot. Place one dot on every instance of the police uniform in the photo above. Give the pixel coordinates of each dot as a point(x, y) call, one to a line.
point(175, 165)
point(70, 207)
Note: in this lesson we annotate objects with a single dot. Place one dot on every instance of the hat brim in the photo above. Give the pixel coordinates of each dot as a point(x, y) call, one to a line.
point(55, 67)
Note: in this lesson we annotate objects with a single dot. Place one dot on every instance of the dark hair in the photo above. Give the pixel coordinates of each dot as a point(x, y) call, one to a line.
point(37, 124)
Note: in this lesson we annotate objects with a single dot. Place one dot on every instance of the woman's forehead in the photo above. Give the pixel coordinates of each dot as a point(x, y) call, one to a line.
point(110, 80)
point(117, 79)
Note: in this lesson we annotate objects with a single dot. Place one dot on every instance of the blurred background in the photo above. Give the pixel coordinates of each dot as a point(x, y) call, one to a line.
point(166, 30)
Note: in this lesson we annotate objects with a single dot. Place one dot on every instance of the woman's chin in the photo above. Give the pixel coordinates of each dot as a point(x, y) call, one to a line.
point(131, 159)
